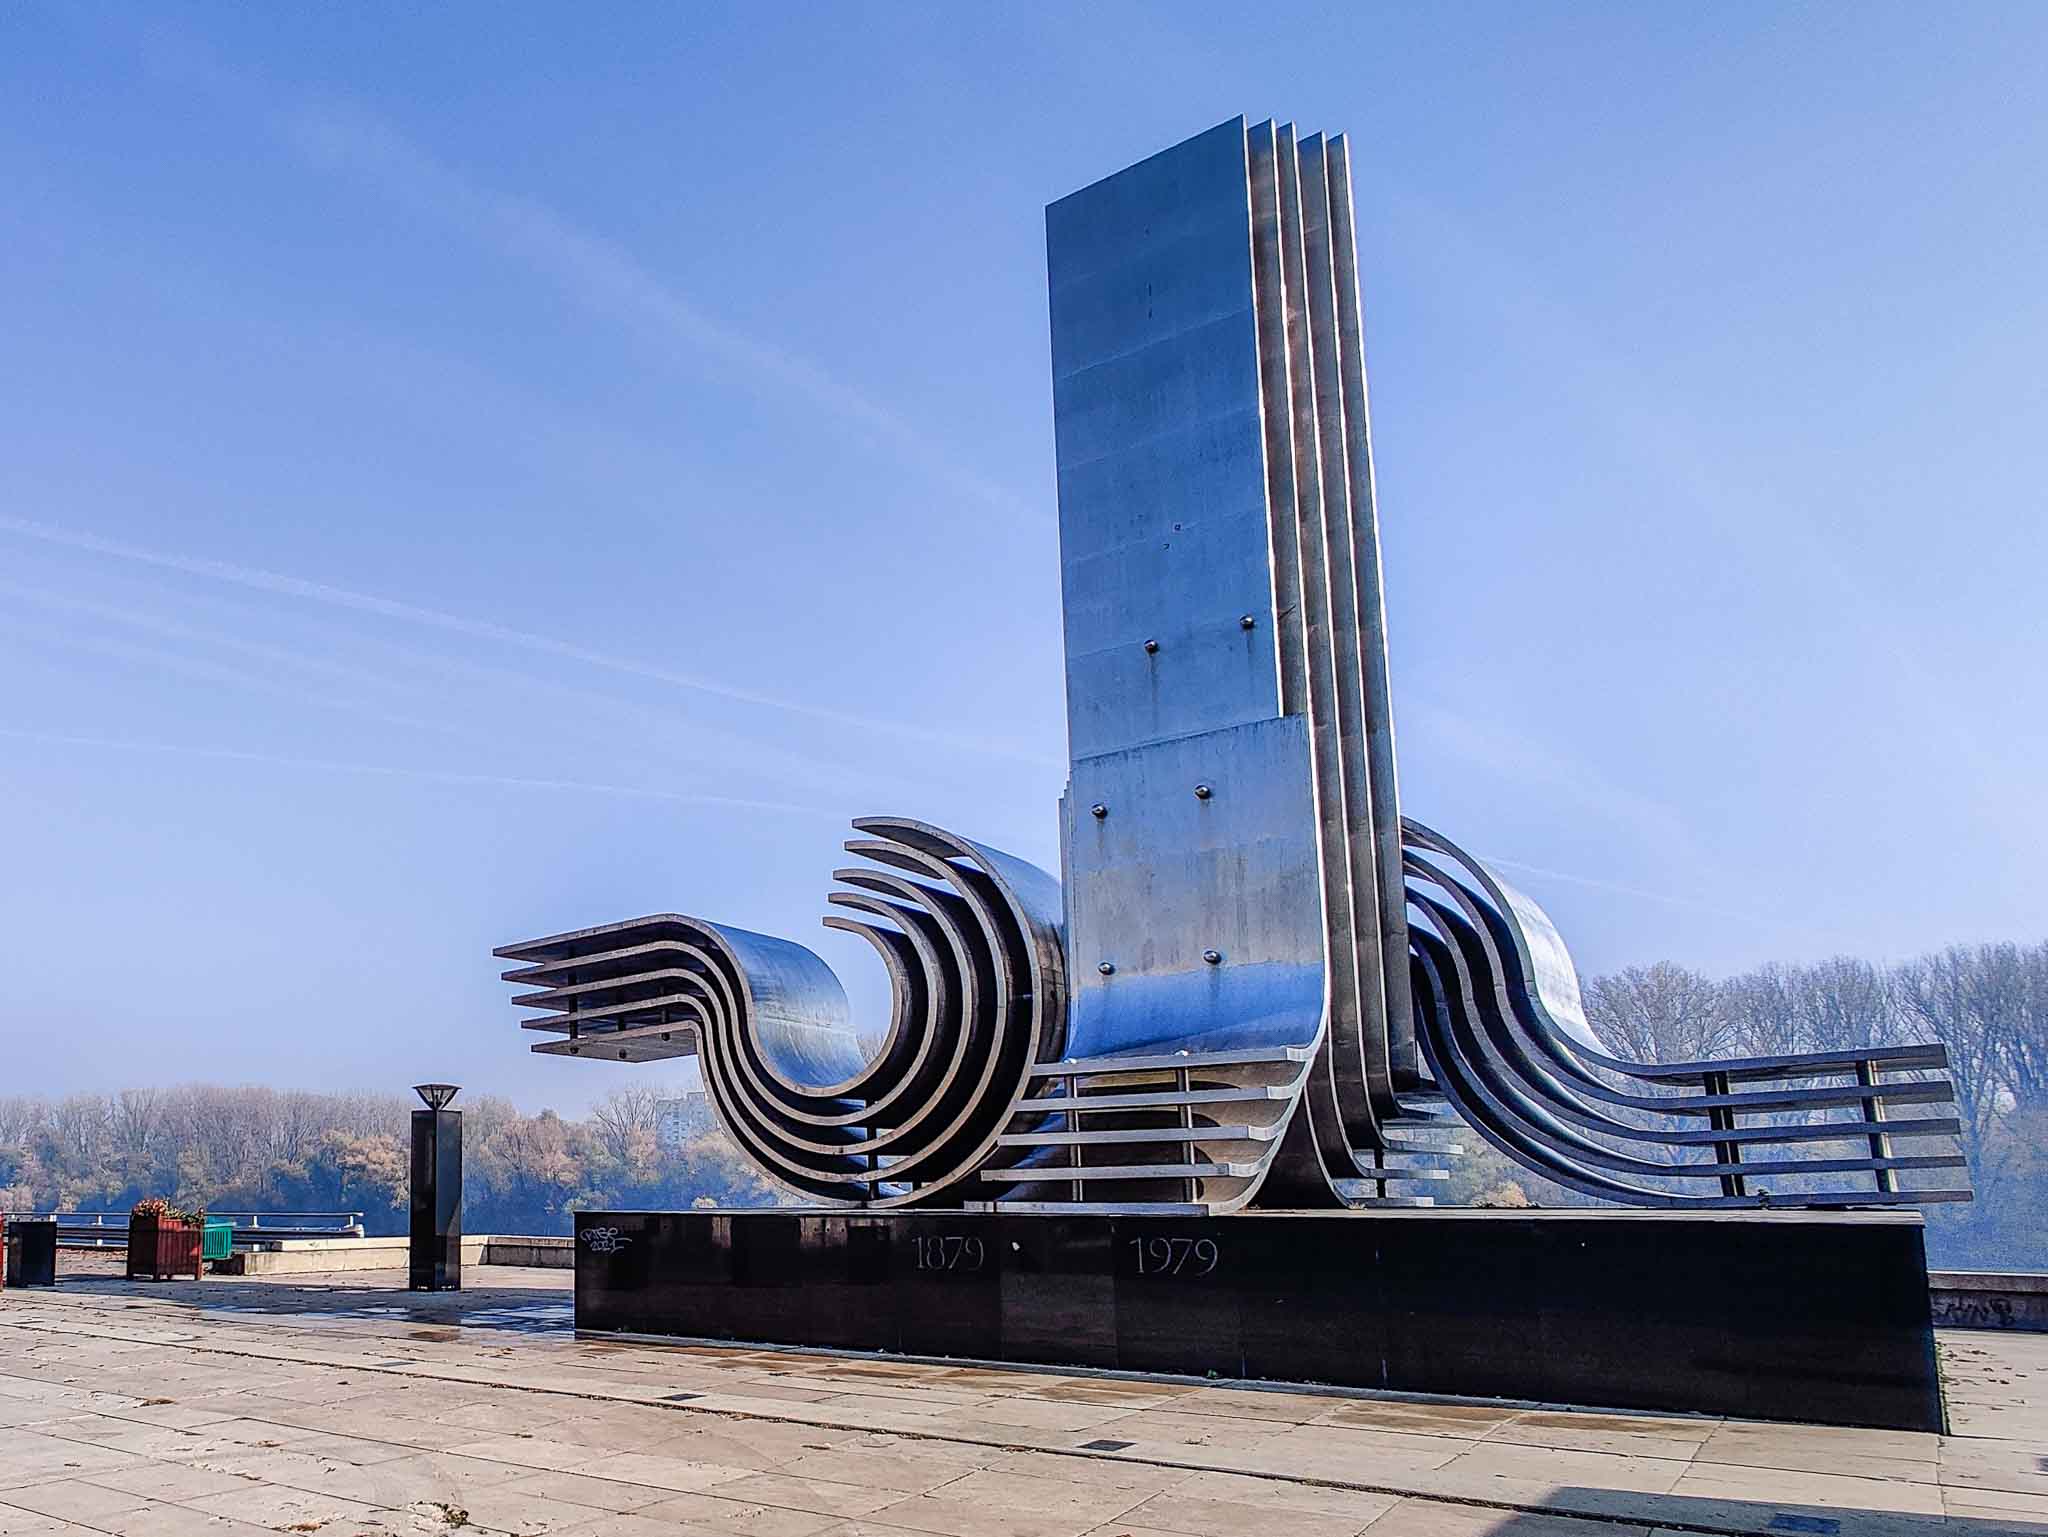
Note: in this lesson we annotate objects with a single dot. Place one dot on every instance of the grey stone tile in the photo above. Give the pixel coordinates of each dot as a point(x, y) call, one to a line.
point(1551, 1465)
point(1281, 1495)
point(711, 1514)
point(1035, 1493)
point(594, 1494)
point(973, 1518)
point(71, 1500)
point(911, 1468)
point(663, 1472)
point(275, 1506)
point(1429, 1518)
point(169, 1481)
point(177, 1521)
point(820, 1496)
point(1782, 1486)
point(502, 1508)
point(1179, 1510)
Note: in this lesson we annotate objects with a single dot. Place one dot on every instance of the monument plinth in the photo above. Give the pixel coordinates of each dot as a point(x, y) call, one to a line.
point(1657, 1311)
point(1257, 987)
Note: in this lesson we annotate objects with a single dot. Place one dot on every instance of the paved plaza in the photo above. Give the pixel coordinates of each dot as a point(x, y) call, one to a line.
point(227, 1407)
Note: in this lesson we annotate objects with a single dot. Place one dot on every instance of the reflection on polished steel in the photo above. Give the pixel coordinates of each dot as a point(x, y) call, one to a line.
point(1504, 1036)
point(1259, 983)
point(971, 940)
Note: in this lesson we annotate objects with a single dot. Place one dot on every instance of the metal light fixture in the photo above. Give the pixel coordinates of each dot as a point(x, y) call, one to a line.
point(436, 1096)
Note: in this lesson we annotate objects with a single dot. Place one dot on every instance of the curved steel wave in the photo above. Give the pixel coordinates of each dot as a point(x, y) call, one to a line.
point(1500, 1023)
point(970, 937)
point(968, 1090)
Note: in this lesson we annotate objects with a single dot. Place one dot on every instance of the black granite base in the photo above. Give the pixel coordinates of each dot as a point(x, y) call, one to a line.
point(1818, 1317)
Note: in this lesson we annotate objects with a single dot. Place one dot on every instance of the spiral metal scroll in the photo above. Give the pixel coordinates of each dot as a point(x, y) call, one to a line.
point(970, 937)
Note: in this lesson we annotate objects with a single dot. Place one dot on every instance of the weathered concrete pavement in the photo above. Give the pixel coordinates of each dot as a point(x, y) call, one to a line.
point(232, 1407)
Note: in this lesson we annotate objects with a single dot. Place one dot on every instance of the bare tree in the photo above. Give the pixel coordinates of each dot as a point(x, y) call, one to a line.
point(626, 1120)
point(137, 1118)
point(1762, 1012)
point(1972, 1000)
point(1660, 1013)
point(1844, 1003)
point(2026, 1055)
point(302, 1117)
point(20, 1115)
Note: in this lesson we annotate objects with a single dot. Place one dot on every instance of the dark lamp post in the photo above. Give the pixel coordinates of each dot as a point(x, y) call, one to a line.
point(436, 1249)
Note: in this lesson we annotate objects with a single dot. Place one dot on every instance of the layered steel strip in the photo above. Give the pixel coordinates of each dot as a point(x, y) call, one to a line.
point(1182, 1130)
point(970, 937)
point(1501, 1025)
point(1325, 548)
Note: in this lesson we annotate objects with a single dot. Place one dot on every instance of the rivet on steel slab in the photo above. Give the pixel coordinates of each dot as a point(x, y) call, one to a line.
point(1107, 968)
point(1151, 646)
point(1098, 811)
point(1247, 623)
point(1213, 957)
point(1203, 792)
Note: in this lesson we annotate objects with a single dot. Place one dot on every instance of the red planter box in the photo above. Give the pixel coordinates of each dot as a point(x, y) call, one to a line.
point(163, 1250)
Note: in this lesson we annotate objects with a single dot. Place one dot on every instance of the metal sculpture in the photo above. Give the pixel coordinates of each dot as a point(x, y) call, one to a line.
point(1259, 984)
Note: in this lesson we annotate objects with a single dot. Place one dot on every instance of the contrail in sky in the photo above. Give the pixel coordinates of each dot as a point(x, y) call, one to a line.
point(434, 776)
point(1627, 891)
point(697, 742)
point(337, 134)
point(482, 629)
point(217, 672)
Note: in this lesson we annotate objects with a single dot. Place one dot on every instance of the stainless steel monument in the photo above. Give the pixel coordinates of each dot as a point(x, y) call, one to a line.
point(1257, 984)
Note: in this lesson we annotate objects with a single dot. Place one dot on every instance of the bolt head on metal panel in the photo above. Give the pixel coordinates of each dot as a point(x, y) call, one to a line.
point(1203, 792)
point(1107, 968)
point(1213, 957)
point(1151, 646)
point(1247, 623)
point(436, 1096)
point(1098, 811)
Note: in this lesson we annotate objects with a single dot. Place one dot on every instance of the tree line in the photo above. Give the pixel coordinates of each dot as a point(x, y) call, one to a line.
point(249, 1148)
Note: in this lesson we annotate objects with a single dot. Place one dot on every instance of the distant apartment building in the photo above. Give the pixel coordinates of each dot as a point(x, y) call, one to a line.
point(676, 1121)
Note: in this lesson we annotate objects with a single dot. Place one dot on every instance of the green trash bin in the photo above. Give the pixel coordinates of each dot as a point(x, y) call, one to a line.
point(218, 1241)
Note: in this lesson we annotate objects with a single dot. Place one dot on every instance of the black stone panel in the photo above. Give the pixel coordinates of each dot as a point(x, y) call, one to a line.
point(1177, 1282)
point(31, 1258)
point(1058, 1291)
point(1815, 1317)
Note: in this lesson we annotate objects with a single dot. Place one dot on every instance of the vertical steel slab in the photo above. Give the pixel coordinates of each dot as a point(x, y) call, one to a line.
point(1193, 912)
point(1162, 483)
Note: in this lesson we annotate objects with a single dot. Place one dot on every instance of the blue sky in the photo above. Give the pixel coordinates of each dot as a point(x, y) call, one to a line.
point(468, 472)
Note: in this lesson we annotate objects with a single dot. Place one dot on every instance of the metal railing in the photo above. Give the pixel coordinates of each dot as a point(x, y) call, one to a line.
point(109, 1229)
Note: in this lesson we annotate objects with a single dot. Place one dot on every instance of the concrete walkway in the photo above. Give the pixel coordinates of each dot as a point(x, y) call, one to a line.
point(233, 1407)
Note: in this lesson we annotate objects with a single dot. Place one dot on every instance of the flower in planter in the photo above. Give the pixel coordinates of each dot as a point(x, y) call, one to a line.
point(156, 1209)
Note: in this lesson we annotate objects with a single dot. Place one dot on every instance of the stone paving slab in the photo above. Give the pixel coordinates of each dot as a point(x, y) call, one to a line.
point(358, 1409)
